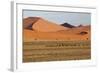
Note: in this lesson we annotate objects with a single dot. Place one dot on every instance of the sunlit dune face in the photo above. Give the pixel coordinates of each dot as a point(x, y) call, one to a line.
point(45, 26)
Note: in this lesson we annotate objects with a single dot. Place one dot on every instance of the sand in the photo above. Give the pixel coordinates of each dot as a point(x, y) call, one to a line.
point(45, 30)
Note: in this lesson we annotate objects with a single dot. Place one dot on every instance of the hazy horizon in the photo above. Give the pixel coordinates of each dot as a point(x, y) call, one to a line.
point(73, 18)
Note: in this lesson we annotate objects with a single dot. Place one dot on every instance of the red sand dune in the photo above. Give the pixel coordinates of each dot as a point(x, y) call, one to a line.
point(42, 25)
point(46, 30)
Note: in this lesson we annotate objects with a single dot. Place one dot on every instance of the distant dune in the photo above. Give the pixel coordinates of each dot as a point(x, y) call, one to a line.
point(67, 25)
point(36, 28)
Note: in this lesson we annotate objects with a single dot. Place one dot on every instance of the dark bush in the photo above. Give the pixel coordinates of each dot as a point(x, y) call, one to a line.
point(83, 33)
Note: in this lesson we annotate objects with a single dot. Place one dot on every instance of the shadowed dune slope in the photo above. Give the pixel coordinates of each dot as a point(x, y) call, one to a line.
point(28, 22)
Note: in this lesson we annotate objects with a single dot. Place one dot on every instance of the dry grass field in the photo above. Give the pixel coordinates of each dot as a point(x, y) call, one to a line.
point(37, 51)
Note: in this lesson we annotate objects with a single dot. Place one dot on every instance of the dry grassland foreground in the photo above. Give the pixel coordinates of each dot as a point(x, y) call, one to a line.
point(38, 50)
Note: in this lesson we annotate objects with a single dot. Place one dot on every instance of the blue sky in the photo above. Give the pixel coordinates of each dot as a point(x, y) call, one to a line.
point(73, 18)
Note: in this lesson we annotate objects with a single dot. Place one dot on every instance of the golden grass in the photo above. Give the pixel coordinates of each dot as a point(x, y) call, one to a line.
point(38, 51)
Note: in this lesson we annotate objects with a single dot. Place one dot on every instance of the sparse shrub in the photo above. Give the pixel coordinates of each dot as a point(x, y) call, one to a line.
point(83, 33)
point(35, 39)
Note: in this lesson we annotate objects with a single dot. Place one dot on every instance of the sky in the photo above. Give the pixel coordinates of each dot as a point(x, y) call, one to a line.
point(74, 18)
